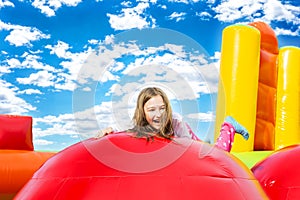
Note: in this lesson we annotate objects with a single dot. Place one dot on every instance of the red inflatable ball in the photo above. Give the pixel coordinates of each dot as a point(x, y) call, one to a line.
point(279, 173)
point(120, 166)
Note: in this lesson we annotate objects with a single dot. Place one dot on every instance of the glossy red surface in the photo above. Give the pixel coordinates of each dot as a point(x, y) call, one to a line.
point(120, 166)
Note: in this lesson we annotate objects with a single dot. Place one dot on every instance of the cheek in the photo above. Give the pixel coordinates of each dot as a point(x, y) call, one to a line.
point(148, 117)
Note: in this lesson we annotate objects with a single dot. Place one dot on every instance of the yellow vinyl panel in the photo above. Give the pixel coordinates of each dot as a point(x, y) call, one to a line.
point(238, 82)
point(287, 127)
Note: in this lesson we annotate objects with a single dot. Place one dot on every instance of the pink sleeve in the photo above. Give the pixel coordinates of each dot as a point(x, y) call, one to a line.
point(194, 136)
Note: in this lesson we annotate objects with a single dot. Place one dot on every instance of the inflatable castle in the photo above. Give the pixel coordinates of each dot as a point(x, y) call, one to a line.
point(258, 85)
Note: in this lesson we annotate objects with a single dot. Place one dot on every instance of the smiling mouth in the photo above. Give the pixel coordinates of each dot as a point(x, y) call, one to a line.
point(156, 121)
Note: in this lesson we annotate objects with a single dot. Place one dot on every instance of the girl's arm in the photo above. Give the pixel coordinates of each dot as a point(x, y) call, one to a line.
point(182, 129)
point(104, 132)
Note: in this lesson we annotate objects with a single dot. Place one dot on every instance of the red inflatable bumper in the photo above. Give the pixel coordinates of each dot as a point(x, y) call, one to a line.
point(120, 166)
point(279, 174)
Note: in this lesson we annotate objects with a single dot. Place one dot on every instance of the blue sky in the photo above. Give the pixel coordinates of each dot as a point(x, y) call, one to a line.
point(77, 66)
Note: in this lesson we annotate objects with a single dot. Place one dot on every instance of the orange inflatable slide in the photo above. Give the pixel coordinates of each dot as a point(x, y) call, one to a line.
point(18, 159)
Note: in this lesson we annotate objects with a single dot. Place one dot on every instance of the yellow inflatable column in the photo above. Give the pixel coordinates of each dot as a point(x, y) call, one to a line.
point(287, 127)
point(238, 82)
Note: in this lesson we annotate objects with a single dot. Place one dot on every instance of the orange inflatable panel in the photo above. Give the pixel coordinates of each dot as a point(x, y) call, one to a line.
point(266, 104)
point(268, 68)
point(17, 167)
point(267, 88)
point(268, 39)
point(264, 135)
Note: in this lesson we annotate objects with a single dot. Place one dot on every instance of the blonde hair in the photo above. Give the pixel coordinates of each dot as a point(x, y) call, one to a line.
point(139, 117)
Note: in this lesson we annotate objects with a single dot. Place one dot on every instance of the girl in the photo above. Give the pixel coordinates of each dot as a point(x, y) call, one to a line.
point(153, 117)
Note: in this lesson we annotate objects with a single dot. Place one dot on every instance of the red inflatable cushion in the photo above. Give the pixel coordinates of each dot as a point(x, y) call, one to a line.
point(16, 132)
point(279, 173)
point(120, 166)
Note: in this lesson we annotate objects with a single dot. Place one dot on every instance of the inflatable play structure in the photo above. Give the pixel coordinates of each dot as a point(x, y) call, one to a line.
point(18, 160)
point(259, 85)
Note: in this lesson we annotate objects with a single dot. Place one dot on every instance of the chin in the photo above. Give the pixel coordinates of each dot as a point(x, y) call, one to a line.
point(156, 127)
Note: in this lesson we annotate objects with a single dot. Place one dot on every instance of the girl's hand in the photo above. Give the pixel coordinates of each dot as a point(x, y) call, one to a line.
point(104, 132)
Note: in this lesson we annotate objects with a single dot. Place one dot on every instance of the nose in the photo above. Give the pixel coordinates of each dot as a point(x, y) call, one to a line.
point(158, 113)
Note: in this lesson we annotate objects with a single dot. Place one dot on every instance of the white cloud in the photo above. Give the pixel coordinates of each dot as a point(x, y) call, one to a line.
point(126, 3)
point(131, 18)
point(80, 125)
point(41, 79)
point(175, 67)
point(64, 78)
point(281, 31)
point(177, 16)
point(211, 1)
point(6, 3)
point(64, 81)
point(87, 89)
point(42, 142)
point(179, 1)
point(72, 63)
point(60, 49)
point(231, 10)
point(10, 64)
point(202, 117)
point(163, 7)
point(30, 91)
point(184, 1)
point(264, 10)
point(33, 62)
point(84, 124)
point(4, 70)
point(28, 61)
point(62, 124)
point(46, 75)
point(216, 56)
point(275, 10)
point(93, 41)
point(22, 35)
point(49, 7)
point(96, 65)
point(49, 12)
point(204, 15)
point(10, 103)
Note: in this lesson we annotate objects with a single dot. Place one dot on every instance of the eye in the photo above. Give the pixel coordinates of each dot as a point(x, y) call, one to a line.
point(151, 110)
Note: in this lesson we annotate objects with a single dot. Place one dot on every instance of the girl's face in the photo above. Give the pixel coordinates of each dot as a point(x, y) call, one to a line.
point(154, 108)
